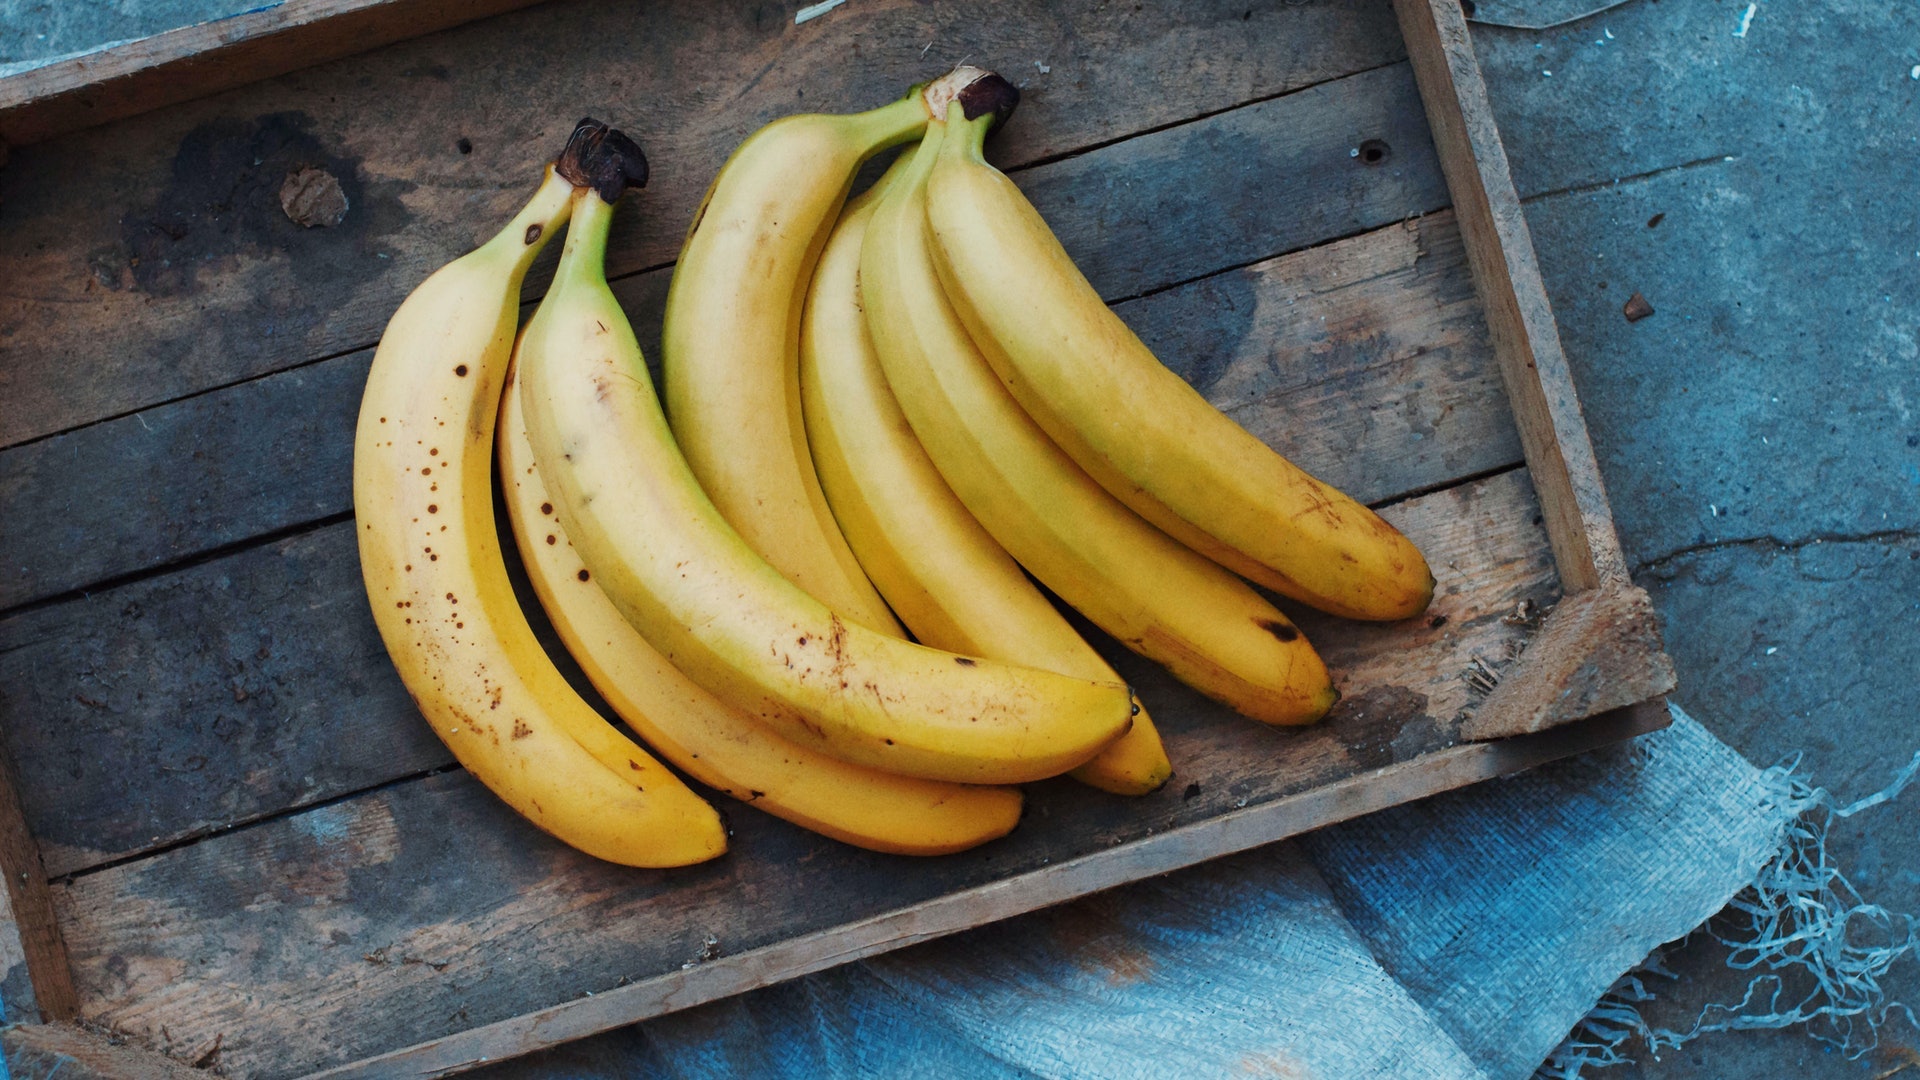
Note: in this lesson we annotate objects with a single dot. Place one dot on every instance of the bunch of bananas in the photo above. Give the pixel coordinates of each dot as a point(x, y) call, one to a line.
point(878, 411)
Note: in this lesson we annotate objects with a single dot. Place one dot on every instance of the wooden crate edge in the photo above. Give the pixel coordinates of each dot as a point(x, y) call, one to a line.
point(1597, 650)
point(1506, 274)
point(29, 928)
point(1161, 853)
point(71, 1051)
point(196, 61)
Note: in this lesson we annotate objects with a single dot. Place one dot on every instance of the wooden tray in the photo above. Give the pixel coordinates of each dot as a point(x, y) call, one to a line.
point(227, 837)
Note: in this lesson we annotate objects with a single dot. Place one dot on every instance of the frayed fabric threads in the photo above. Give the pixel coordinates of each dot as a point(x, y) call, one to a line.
point(1818, 948)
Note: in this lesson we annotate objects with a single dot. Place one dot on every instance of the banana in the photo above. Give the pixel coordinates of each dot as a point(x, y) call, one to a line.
point(1207, 627)
point(1136, 427)
point(423, 497)
point(684, 578)
point(703, 737)
point(729, 346)
point(946, 578)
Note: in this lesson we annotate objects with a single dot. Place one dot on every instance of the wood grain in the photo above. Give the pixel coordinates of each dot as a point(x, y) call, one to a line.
point(261, 849)
point(1599, 649)
point(185, 703)
point(257, 680)
point(149, 259)
point(36, 984)
point(1240, 830)
point(425, 907)
point(178, 481)
point(195, 61)
point(1365, 360)
point(70, 1052)
point(1507, 275)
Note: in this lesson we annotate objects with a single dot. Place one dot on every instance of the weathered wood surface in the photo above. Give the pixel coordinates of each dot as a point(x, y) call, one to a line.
point(1507, 275)
point(71, 1052)
point(178, 481)
point(150, 259)
point(1598, 649)
point(427, 907)
point(1183, 846)
point(217, 702)
point(203, 698)
point(1365, 361)
point(1287, 347)
point(36, 984)
point(196, 61)
point(257, 678)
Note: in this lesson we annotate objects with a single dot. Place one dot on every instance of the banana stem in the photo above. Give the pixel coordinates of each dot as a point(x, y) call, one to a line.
point(967, 138)
point(583, 261)
point(890, 125)
point(920, 164)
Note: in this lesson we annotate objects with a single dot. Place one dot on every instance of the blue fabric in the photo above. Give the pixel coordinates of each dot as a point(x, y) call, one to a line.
point(1459, 937)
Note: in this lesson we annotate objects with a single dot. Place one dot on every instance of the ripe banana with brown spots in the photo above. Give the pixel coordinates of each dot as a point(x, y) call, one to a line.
point(704, 737)
point(688, 582)
point(435, 575)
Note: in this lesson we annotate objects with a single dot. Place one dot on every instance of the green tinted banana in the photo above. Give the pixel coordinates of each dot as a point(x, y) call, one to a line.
point(1136, 427)
point(699, 594)
point(944, 576)
point(1207, 627)
point(423, 503)
point(703, 737)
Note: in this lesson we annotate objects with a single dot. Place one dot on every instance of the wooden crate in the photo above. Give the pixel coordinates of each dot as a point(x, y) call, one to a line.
point(227, 835)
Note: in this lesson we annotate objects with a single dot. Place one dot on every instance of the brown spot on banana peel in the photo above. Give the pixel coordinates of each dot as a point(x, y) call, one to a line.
point(1283, 631)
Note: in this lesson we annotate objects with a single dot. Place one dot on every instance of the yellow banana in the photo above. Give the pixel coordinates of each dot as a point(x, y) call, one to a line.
point(699, 594)
point(1136, 427)
point(729, 346)
point(423, 500)
point(1207, 627)
point(705, 738)
point(944, 576)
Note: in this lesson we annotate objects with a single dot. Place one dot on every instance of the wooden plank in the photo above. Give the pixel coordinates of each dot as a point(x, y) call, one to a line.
point(183, 704)
point(1241, 185)
point(426, 908)
point(1365, 360)
point(36, 984)
point(195, 61)
point(178, 481)
point(149, 260)
point(1166, 852)
point(1507, 274)
point(1598, 649)
point(71, 1052)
